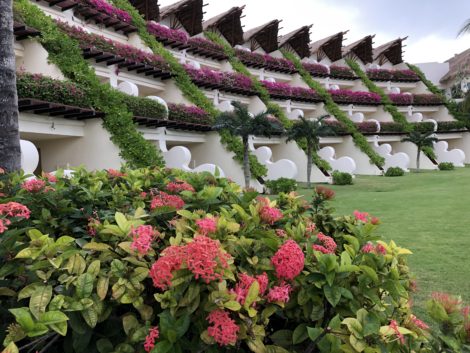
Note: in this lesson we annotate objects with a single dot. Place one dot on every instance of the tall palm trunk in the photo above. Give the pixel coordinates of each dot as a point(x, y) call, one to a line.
point(10, 151)
point(309, 164)
point(417, 158)
point(246, 161)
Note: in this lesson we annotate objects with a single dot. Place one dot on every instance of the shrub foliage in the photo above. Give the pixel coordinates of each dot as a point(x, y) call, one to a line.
point(394, 172)
point(340, 178)
point(284, 185)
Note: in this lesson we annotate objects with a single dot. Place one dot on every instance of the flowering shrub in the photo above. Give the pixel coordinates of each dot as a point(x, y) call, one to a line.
point(267, 61)
point(189, 114)
point(401, 98)
point(316, 69)
point(340, 129)
point(393, 127)
point(206, 45)
point(355, 97)
point(165, 33)
point(450, 125)
point(341, 72)
point(108, 9)
point(285, 90)
point(427, 99)
point(392, 75)
point(169, 267)
point(227, 80)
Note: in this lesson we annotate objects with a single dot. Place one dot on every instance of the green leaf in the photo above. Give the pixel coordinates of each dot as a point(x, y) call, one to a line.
point(371, 324)
point(26, 253)
point(370, 272)
point(53, 317)
point(84, 285)
point(11, 348)
point(94, 268)
point(276, 349)
point(7, 292)
point(129, 323)
point(251, 295)
point(90, 316)
point(162, 347)
point(354, 326)
point(23, 318)
point(436, 311)
point(96, 246)
point(34, 234)
point(118, 268)
point(122, 222)
point(104, 345)
point(39, 300)
point(64, 240)
point(332, 294)
point(282, 338)
point(300, 334)
point(102, 287)
point(38, 330)
point(60, 328)
point(358, 344)
point(140, 273)
point(76, 265)
point(232, 305)
point(314, 332)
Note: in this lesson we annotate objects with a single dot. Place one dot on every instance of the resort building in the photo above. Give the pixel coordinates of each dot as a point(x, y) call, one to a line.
point(191, 68)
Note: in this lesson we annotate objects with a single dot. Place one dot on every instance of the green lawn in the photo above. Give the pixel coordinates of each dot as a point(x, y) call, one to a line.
point(428, 213)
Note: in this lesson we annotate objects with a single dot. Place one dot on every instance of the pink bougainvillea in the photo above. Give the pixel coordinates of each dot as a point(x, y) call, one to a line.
point(163, 32)
point(348, 96)
point(288, 261)
point(110, 10)
point(279, 293)
point(153, 334)
point(206, 226)
point(142, 238)
point(328, 244)
point(222, 78)
point(223, 329)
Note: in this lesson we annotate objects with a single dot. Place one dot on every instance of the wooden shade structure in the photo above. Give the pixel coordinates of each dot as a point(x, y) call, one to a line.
point(330, 47)
point(264, 36)
point(187, 13)
point(459, 66)
point(147, 8)
point(228, 24)
point(391, 51)
point(361, 49)
point(297, 41)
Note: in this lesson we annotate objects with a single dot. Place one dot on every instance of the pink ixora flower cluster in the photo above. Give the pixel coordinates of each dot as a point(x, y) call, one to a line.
point(369, 248)
point(394, 326)
point(206, 225)
point(365, 217)
point(224, 79)
point(177, 186)
point(328, 244)
point(12, 210)
point(153, 334)
point(142, 238)
point(203, 257)
point(267, 61)
point(280, 293)
point(222, 328)
point(163, 32)
point(268, 214)
point(355, 97)
point(244, 283)
point(450, 303)
point(288, 261)
point(418, 323)
point(110, 10)
point(34, 185)
point(114, 173)
point(162, 199)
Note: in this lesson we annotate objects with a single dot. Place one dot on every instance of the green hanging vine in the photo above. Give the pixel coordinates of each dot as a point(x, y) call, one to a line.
point(67, 55)
point(386, 101)
point(263, 94)
point(189, 89)
point(332, 108)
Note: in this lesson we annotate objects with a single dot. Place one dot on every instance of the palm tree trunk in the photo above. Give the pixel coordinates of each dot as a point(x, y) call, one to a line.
point(246, 162)
point(10, 151)
point(309, 164)
point(417, 159)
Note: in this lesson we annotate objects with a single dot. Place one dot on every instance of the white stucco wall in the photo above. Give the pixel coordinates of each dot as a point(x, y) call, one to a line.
point(434, 71)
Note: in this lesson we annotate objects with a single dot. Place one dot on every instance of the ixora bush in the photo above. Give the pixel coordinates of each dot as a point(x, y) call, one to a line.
point(284, 185)
point(162, 261)
point(446, 166)
point(340, 178)
point(394, 172)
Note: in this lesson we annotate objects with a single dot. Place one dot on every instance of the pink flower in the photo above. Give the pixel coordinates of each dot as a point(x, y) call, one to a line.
point(93, 224)
point(150, 339)
point(3, 225)
point(368, 248)
point(361, 216)
point(380, 249)
point(51, 178)
point(279, 293)
point(288, 261)
point(162, 199)
point(375, 220)
point(113, 173)
point(206, 259)
point(170, 260)
point(270, 215)
point(281, 233)
point(143, 195)
point(142, 238)
point(418, 323)
point(206, 226)
point(178, 186)
point(394, 326)
point(329, 245)
point(14, 209)
point(224, 329)
point(33, 185)
point(449, 302)
point(309, 229)
point(244, 283)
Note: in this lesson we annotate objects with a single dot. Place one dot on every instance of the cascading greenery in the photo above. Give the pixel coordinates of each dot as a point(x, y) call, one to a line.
point(189, 89)
point(263, 93)
point(386, 101)
point(333, 109)
point(67, 55)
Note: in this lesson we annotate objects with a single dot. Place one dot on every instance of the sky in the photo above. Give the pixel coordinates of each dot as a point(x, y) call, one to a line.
point(431, 25)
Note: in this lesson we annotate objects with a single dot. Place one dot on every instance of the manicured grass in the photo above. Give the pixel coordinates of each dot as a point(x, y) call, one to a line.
point(428, 213)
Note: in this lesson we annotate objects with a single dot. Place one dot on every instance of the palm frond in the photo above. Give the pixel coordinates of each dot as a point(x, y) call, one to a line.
point(465, 28)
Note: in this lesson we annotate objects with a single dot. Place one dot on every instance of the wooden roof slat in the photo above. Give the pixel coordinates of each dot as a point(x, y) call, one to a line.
point(361, 49)
point(229, 24)
point(188, 12)
point(22, 31)
point(266, 35)
point(56, 109)
point(331, 46)
point(392, 51)
point(298, 40)
point(459, 64)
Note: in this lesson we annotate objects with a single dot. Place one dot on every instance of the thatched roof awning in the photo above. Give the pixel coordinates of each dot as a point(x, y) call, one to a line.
point(331, 47)
point(298, 41)
point(147, 8)
point(265, 35)
point(188, 12)
point(459, 66)
point(391, 51)
point(361, 49)
point(229, 24)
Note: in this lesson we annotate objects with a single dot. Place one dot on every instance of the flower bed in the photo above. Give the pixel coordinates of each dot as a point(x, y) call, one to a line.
point(354, 97)
point(93, 42)
point(188, 114)
point(316, 69)
point(427, 99)
point(228, 81)
point(205, 47)
point(144, 107)
point(340, 129)
point(392, 75)
point(105, 7)
point(47, 89)
point(401, 98)
point(285, 91)
point(264, 61)
point(341, 72)
point(165, 34)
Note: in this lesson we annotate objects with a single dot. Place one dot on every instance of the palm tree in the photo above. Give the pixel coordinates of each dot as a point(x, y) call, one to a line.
point(242, 123)
point(421, 140)
point(465, 28)
point(10, 152)
point(309, 131)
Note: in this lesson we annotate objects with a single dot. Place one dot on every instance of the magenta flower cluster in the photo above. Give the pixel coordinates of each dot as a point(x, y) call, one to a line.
point(316, 69)
point(203, 43)
point(96, 42)
point(224, 79)
point(401, 99)
point(162, 32)
point(104, 7)
point(417, 99)
point(341, 72)
point(189, 114)
point(357, 97)
point(267, 61)
point(284, 89)
point(392, 75)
